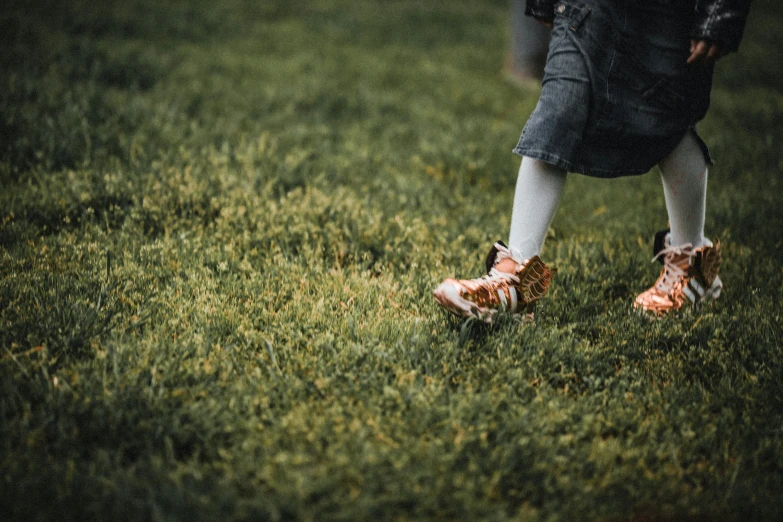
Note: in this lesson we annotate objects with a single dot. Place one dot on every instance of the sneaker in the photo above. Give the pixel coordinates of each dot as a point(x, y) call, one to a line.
point(688, 274)
point(511, 284)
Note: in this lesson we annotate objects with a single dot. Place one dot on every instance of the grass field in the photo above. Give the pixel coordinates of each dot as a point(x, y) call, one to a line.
point(220, 226)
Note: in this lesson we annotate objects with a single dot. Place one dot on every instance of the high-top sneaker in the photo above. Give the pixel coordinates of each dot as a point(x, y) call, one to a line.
point(688, 275)
point(511, 284)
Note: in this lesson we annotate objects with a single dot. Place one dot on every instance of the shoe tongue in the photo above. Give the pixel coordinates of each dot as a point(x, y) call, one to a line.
point(507, 265)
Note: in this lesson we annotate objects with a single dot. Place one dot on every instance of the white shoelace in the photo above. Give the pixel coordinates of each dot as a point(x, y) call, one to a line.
point(671, 272)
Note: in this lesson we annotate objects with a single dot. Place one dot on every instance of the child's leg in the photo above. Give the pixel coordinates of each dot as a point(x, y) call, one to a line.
point(690, 262)
point(539, 187)
point(516, 277)
point(684, 175)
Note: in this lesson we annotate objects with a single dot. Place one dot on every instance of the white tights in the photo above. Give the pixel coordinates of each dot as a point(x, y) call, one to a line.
point(540, 186)
point(684, 176)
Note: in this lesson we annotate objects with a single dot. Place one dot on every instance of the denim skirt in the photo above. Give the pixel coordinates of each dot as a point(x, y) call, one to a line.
point(617, 95)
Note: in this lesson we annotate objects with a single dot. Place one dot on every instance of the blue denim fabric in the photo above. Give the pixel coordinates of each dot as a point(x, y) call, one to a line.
point(617, 94)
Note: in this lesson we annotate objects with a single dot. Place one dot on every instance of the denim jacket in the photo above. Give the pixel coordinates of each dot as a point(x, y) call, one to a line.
point(721, 21)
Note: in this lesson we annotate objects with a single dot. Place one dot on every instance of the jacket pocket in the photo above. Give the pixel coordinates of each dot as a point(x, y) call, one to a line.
point(574, 12)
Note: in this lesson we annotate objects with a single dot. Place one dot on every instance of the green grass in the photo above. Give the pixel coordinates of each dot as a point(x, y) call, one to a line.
point(220, 225)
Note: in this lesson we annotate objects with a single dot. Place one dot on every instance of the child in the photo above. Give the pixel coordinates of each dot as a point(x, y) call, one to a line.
point(625, 83)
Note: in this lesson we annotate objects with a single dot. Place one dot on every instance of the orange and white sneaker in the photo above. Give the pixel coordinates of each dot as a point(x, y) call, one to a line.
point(511, 284)
point(688, 275)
